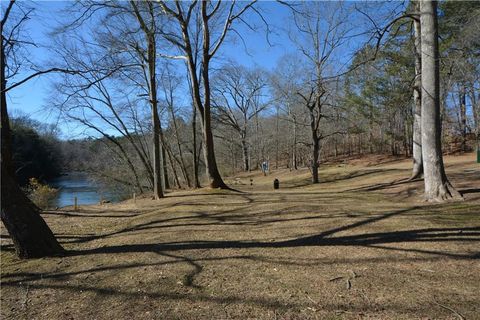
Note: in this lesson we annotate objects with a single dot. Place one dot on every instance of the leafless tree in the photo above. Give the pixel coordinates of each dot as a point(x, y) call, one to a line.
point(437, 186)
point(238, 98)
point(30, 234)
point(417, 170)
point(200, 29)
point(323, 29)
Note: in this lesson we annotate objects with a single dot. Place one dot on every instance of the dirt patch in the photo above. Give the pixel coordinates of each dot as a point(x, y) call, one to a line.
point(358, 245)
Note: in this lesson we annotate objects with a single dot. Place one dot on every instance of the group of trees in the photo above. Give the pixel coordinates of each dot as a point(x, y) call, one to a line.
point(141, 79)
point(35, 150)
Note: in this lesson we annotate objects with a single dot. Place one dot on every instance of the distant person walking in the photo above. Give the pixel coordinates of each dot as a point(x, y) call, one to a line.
point(265, 167)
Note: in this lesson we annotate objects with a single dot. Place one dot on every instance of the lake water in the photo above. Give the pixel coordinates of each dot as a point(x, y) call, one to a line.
point(77, 184)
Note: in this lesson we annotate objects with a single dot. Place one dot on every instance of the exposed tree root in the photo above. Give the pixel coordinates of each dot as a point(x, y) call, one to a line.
point(417, 171)
point(223, 186)
point(444, 192)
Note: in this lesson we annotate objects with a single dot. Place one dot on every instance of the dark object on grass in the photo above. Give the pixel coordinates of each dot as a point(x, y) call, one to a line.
point(276, 184)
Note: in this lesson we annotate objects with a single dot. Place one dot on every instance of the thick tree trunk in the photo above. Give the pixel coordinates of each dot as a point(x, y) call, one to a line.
point(437, 186)
point(215, 179)
point(31, 236)
point(417, 99)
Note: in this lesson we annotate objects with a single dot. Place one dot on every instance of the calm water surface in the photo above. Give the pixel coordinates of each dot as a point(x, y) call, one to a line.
point(77, 184)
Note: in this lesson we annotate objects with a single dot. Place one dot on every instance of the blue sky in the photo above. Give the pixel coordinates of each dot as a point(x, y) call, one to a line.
point(32, 97)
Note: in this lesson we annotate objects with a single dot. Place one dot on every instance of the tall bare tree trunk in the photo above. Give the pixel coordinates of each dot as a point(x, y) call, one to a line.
point(476, 117)
point(31, 236)
point(196, 179)
point(463, 117)
point(213, 174)
point(315, 140)
point(315, 158)
point(417, 99)
point(276, 138)
point(157, 168)
point(183, 167)
point(163, 160)
point(171, 158)
point(437, 186)
point(166, 181)
point(294, 146)
point(149, 31)
point(246, 166)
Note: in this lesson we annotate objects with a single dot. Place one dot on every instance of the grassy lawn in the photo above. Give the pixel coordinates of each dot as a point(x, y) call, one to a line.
point(361, 244)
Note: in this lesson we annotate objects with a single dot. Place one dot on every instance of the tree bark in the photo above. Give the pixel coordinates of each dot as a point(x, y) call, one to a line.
point(315, 141)
point(277, 142)
point(157, 169)
point(476, 115)
point(213, 174)
point(417, 98)
point(437, 186)
point(294, 147)
point(463, 117)
point(246, 166)
point(171, 158)
point(196, 179)
point(315, 159)
point(166, 181)
point(149, 32)
point(183, 167)
point(31, 236)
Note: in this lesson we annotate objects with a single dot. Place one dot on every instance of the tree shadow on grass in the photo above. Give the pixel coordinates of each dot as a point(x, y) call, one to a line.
point(178, 252)
point(96, 214)
point(326, 238)
point(385, 185)
point(360, 173)
point(467, 191)
point(172, 252)
point(337, 178)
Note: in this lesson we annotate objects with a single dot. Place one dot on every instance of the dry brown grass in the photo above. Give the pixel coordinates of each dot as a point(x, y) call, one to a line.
point(356, 246)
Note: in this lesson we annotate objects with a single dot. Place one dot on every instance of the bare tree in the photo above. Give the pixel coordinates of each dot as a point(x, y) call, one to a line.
point(128, 32)
point(30, 234)
point(237, 99)
point(169, 83)
point(321, 33)
point(417, 170)
point(286, 81)
point(91, 102)
point(197, 40)
point(147, 22)
point(437, 186)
